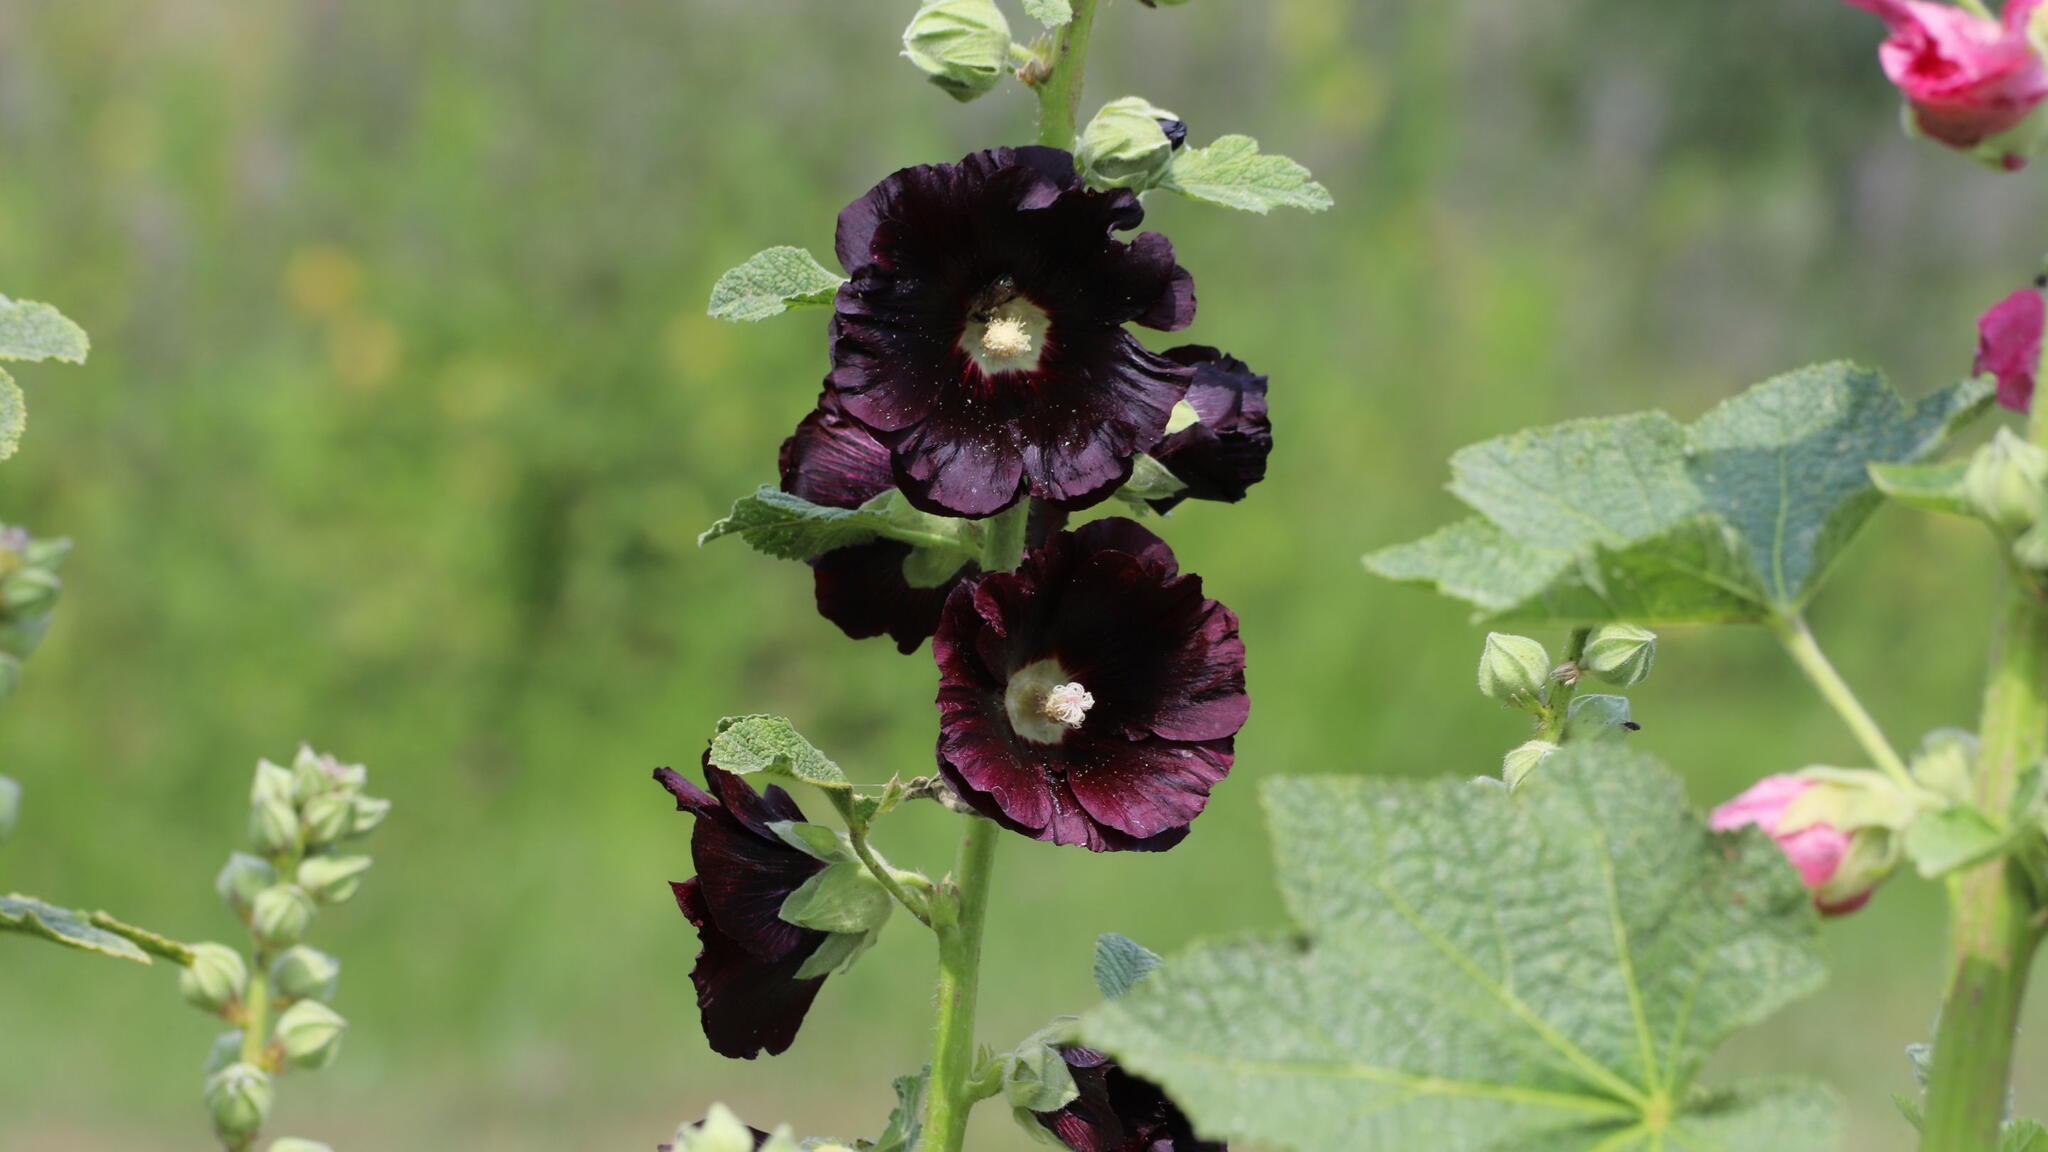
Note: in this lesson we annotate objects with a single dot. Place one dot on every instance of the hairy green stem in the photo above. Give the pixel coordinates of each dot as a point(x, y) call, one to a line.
point(887, 879)
point(1993, 934)
point(1805, 651)
point(1059, 92)
point(256, 1011)
point(950, 1096)
point(1558, 704)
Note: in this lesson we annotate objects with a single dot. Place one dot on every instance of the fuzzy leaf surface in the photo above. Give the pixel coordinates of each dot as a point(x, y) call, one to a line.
point(772, 282)
point(1051, 13)
point(1483, 972)
point(1735, 518)
point(1233, 172)
point(771, 744)
point(778, 524)
point(13, 415)
point(33, 917)
point(32, 331)
point(1120, 962)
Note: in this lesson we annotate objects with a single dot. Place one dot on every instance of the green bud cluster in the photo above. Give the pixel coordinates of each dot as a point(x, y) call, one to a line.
point(1517, 671)
point(2006, 486)
point(28, 594)
point(963, 46)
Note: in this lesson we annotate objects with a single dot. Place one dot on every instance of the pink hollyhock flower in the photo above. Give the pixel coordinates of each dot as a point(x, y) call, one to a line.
point(1967, 77)
point(2009, 346)
point(1817, 850)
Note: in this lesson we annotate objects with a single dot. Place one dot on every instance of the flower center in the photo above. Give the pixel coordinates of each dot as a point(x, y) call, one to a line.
point(1005, 332)
point(1044, 704)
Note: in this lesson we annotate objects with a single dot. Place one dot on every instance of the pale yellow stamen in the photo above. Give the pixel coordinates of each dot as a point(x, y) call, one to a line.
point(1006, 338)
point(1068, 704)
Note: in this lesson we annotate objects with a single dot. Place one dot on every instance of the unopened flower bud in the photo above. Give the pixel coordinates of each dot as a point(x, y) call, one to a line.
point(1126, 145)
point(238, 1096)
point(2004, 482)
point(1513, 669)
point(29, 592)
point(271, 783)
point(2030, 549)
point(309, 1032)
point(1620, 654)
point(1840, 868)
point(281, 914)
point(227, 1048)
point(962, 45)
point(215, 978)
point(370, 811)
point(719, 1131)
point(1519, 762)
point(328, 817)
point(273, 827)
point(294, 1144)
point(304, 973)
point(241, 879)
point(315, 774)
point(332, 879)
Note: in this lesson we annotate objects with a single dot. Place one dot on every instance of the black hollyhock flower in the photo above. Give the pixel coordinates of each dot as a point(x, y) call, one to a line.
point(981, 335)
point(1224, 455)
point(1118, 1112)
point(1090, 697)
point(832, 460)
point(748, 991)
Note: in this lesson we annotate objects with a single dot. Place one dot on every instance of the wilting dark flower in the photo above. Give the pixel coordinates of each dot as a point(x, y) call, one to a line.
point(981, 335)
point(1967, 77)
point(748, 991)
point(2009, 346)
point(1224, 455)
point(1118, 1112)
point(832, 460)
point(1092, 696)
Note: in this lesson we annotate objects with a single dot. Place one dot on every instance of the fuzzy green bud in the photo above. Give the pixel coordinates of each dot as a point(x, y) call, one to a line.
point(274, 827)
point(2004, 482)
point(962, 45)
point(1520, 761)
point(1126, 146)
point(328, 817)
point(241, 879)
point(1513, 670)
point(1619, 654)
point(369, 812)
point(294, 1144)
point(315, 774)
point(720, 1131)
point(215, 979)
point(238, 1096)
point(281, 914)
point(332, 879)
point(227, 1048)
point(29, 592)
point(304, 973)
point(2030, 549)
point(271, 783)
point(310, 1033)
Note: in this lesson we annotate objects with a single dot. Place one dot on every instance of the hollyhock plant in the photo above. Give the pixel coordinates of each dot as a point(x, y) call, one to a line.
point(1092, 696)
point(2009, 346)
point(1224, 454)
point(1118, 1112)
point(1817, 850)
point(833, 461)
point(748, 989)
point(1967, 77)
point(981, 335)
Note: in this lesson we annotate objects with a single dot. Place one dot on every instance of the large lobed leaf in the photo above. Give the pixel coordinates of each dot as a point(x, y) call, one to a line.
point(772, 282)
point(1736, 518)
point(1484, 972)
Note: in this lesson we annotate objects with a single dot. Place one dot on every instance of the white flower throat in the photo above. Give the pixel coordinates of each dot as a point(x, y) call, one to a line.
point(1045, 704)
point(1005, 332)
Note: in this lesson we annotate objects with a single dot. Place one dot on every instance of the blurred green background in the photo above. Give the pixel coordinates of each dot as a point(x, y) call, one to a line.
point(403, 414)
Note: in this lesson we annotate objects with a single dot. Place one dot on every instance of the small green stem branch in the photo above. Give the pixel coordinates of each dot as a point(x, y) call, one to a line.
point(256, 1011)
point(1993, 929)
point(160, 947)
point(1805, 651)
point(884, 875)
point(1059, 93)
point(1558, 704)
point(950, 1095)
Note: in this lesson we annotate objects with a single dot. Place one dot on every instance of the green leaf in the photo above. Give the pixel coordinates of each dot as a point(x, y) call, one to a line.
point(1121, 962)
point(32, 331)
point(1234, 173)
point(1736, 518)
point(2023, 1136)
point(10, 806)
point(772, 745)
point(13, 415)
point(906, 1120)
point(1036, 1079)
point(837, 952)
point(778, 524)
point(771, 283)
point(1051, 13)
point(1547, 970)
point(31, 916)
point(1932, 487)
point(843, 898)
point(1952, 839)
point(1910, 1109)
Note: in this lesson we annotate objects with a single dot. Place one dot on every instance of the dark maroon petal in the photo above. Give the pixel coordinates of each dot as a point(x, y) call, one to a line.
point(1122, 534)
point(748, 1007)
point(1173, 306)
point(833, 460)
point(689, 797)
point(1224, 455)
point(744, 879)
point(863, 590)
point(756, 810)
point(1144, 789)
point(1118, 1112)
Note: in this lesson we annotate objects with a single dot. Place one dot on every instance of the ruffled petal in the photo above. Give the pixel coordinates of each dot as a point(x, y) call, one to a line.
point(747, 1007)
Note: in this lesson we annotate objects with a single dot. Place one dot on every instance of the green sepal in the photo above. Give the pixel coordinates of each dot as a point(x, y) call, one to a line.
point(1150, 480)
point(838, 953)
point(1945, 763)
point(814, 840)
point(1121, 962)
point(1851, 799)
point(843, 898)
point(1953, 839)
point(772, 282)
point(1930, 487)
point(1910, 1109)
point(1036, 1079)
point(772, 746)
point(1233, 172)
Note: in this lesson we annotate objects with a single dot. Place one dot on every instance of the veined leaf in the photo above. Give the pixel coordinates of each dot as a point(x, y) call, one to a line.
point(1487, 972)
point(33, 917)
point(776, 523)
point(772, 745)
point(1233, 172)
point(1051, 13)
point(772, 282)
point(32, 331)
point(1738, 517)
point(1932, 487)
point(13, 415)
